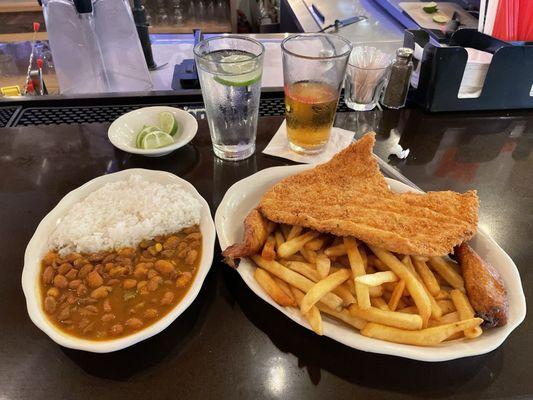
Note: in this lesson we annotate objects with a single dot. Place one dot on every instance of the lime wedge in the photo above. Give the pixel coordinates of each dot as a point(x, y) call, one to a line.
point(157, 139)
point(440, 19)
point(241, 69)
point(145, 129)
point(235, 64)
point(239, 80)
point(168, 123)
point(430, 8)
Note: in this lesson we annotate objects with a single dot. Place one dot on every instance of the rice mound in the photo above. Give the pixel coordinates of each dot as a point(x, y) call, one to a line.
point(122, 214)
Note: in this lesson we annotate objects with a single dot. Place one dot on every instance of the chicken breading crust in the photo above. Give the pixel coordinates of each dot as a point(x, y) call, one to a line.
point(348, 196)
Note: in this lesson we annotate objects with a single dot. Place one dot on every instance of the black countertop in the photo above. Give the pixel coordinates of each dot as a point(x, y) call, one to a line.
point(229, 343)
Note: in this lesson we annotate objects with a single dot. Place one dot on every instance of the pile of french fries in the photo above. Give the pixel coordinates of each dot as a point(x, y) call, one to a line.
point(399, 298)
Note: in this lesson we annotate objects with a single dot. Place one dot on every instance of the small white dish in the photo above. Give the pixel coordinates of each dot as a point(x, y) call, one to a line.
point(38, 247)
point(123, 131)
point(244, 195)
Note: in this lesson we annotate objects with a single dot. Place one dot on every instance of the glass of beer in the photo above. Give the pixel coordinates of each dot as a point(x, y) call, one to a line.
point(313, 70)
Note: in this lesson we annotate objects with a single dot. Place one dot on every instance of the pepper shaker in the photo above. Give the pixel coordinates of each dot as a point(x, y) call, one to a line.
point(395, 93)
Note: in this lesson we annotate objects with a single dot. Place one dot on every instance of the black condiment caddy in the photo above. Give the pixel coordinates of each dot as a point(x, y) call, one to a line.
point(509, 80)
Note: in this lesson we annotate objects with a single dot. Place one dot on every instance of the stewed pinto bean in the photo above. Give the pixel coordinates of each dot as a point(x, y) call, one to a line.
point(105, 295)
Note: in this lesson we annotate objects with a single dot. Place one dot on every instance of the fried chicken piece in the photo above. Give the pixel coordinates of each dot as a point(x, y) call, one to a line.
point(256, 231)
point(484, 286)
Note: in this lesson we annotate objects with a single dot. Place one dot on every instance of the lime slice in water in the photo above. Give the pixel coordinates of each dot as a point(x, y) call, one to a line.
point(142, 133)
point(157, 139)
point(168, 123)
point(243, 72)
point(239, 80)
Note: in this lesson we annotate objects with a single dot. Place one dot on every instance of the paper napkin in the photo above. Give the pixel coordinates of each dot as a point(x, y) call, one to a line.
point(279, 146)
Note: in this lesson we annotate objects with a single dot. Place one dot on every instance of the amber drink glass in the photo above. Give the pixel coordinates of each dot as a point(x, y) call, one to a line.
point(314, 65)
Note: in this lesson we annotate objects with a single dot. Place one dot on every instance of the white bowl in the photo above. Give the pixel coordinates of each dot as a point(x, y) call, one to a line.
point(38, 247)
point(243, 196)
point(123, 131)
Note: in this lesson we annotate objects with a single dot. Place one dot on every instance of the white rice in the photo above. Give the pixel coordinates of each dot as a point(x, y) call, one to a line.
point(122, 214)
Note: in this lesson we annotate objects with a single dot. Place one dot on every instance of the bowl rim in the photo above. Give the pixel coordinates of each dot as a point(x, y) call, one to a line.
point(184, 139)
point(30, 272)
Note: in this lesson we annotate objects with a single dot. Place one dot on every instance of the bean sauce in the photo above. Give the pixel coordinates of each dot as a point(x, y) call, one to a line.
point(107, 295)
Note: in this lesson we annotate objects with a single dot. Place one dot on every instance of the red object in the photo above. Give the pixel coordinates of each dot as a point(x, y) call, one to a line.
point(40, 63)
point(36, 26)
point(29, 87)
point(514, 20)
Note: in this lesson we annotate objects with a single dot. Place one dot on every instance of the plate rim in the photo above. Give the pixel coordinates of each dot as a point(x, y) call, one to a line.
point(30, 285)
point(419, 353)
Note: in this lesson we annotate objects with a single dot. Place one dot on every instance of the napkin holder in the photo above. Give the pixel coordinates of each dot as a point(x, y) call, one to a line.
point(508, 83)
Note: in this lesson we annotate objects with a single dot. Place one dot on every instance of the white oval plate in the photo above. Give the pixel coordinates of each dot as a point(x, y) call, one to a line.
point(244, 195)
point(38, 246)
point(123, 131)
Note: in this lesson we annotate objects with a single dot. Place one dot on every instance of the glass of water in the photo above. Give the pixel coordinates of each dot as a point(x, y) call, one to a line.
point(230, 70)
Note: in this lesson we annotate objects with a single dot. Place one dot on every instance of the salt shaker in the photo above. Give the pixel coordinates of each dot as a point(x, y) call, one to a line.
point(395, 93)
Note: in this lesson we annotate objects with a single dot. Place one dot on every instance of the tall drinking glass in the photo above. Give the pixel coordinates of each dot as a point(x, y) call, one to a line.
point(230, 69)
point(313, 70)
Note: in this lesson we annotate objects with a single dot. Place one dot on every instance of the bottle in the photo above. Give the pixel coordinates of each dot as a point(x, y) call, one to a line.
point(395, 93)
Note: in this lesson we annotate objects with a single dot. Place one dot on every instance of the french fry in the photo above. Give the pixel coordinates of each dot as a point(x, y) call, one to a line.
point(427, 276)
point(402, 303)
point(364, 257)
point(390, 318)
point(269, 249)
point(286, 230)
point(294, 232)
point(295, 257)
point(280, 239)
point(375, 291)
point(344, 315)
point(409, 310)
point(268, 284)
point(323, 287)
point(345, 294)
point(424, 337)
point(313, 316)
point(315, 244)
point(448, 319)
point(323, 265)
point(465, 310)
point(447, 306)
point(309, 255)
point(436, 311)
point(445, 319)
point(415, 288)
point(447, 272)
point(309, 272)
point(376, 263)
point(378, 302)
point(285, 287)
point(442, 295)
point(358, 269)
point(396, 295)
point(363, 295)
point(335, 251)
point(292, 246)
point(406, 260)
point(305, 269)
point(377, 278)
point(295, 279)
